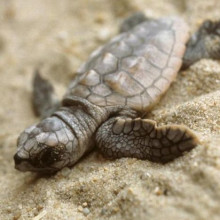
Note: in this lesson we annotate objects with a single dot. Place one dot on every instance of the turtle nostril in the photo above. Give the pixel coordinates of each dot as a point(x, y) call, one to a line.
point(17, 159)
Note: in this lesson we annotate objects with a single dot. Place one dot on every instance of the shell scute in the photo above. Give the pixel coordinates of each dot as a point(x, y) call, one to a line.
point(136, 67)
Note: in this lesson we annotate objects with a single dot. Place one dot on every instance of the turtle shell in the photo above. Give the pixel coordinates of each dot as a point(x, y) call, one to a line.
point(136, 67)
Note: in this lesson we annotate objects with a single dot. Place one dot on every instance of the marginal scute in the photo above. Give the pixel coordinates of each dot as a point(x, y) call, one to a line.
point(132, 40)
point(102, 90)
point(116, 39)
point(179, 49)
point(120, 49)
point(81, 90)
point(96, 52)
point(169, 74)
point(162, 83)
point(109, 58)
point(106, 63)
point(175, 63)
point(82, 68)
point(154, 93)
point(92, 78)
point(97, 99)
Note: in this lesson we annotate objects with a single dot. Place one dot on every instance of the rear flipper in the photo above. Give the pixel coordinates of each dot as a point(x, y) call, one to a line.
point(44, 100)
point(205, 43)
point(141, 138)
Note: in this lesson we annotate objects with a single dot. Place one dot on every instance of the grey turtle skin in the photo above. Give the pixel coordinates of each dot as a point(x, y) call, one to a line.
point(105, 103)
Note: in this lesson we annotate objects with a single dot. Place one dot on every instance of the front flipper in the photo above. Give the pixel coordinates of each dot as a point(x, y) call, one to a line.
point(205, 43)
point(44, 100)
point(141, 138)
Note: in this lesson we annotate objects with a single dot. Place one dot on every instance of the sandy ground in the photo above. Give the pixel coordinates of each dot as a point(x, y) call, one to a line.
point(57, 36)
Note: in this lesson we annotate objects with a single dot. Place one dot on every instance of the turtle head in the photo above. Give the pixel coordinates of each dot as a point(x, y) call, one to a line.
point(45, 147)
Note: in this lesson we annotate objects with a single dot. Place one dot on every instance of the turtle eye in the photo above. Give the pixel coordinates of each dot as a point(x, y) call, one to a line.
point(48, 156)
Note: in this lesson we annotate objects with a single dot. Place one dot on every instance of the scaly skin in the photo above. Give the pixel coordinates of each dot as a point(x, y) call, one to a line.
point(142, 139)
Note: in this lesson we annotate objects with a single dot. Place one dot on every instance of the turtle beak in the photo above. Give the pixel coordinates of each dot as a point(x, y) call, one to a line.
point(17, 159)
point(21, 163)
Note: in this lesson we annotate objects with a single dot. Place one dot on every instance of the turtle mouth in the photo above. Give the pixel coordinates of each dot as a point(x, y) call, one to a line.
point(25, 165)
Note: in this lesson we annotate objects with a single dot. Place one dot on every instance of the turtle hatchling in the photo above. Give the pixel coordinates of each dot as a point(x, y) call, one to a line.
point(105, 104)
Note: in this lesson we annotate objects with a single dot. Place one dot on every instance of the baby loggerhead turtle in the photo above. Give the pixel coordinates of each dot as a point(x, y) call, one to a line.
point(105, 103)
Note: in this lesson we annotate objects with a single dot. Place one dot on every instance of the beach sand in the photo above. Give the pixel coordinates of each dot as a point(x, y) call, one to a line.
point(56, 37)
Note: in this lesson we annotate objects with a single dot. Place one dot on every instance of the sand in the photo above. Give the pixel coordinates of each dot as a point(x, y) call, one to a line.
point(56, 37)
